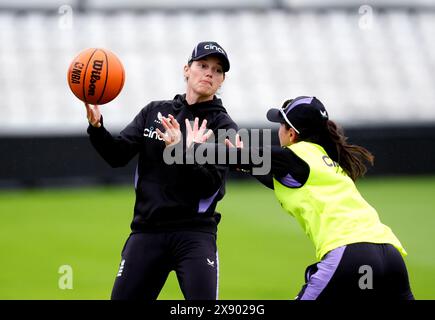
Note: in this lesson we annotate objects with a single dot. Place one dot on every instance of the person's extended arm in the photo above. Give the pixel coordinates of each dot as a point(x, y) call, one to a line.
point(117, 151)
point(264, 163)
point(280, 163)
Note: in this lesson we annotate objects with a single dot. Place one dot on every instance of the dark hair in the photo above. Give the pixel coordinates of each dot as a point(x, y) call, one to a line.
point(352, 158)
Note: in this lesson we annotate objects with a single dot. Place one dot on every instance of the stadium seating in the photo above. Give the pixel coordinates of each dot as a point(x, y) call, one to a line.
point(367, 72)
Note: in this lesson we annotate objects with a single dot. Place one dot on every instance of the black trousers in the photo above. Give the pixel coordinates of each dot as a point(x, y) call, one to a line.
point(358, 271)
point(148, 258)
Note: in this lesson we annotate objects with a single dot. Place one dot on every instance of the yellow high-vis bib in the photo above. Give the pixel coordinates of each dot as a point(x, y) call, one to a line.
point(329, 207)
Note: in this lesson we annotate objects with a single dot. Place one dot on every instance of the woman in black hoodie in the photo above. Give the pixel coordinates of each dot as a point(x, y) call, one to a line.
point(175, 223)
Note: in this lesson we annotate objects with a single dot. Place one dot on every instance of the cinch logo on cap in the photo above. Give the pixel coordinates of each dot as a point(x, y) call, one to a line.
point(210, 46)
point(206, 48)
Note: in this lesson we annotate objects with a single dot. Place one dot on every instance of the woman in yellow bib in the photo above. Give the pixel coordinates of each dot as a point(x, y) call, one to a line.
point(313, 175)
point(359, 256)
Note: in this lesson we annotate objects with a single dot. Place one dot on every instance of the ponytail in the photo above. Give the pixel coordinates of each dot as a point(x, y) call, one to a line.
point(351, 158)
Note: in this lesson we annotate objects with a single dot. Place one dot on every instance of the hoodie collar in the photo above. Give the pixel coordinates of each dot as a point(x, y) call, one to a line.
point(201, 107)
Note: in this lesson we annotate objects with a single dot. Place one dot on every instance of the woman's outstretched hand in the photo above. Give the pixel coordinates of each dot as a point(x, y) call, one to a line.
point(195, 134)
point(172, 133)
point(93, 114)
point(239, 142)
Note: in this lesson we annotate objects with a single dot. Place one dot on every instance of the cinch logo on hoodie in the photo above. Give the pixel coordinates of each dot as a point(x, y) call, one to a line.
point(151, 133)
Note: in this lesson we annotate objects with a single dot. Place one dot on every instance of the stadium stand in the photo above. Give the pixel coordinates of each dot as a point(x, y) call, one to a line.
point(372, 65)
point(381, 73)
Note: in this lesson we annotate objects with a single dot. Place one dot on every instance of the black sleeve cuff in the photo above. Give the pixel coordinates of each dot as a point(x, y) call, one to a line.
point(94, 130)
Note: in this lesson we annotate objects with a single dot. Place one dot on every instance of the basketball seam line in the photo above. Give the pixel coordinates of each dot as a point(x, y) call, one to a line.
point(84, 78)
point(107, 76)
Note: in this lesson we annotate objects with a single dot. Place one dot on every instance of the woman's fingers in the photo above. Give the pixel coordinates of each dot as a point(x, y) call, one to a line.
point(88, 112)
point(195, 133)
point(174, 121)
point(166, 124)
point(169, 126)
point(195, 125)
point(167, 137)
point(207, 135)
point(228, 143)
point(202, 129)
point(189, 129)
point(161, 134)
point(239, 142)
point(93, 114)
point(172, 133)
point(204, 124)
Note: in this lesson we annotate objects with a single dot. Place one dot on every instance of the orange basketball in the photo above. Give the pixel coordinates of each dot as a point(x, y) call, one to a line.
point(96, 76)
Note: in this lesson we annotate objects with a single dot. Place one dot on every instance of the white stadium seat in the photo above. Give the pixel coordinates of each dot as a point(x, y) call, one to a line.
point(384, 73)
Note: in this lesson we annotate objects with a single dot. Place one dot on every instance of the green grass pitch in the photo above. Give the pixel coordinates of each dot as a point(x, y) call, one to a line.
point(263, 252)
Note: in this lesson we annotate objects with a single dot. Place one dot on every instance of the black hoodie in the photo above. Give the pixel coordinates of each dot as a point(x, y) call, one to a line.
point(168, 197)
